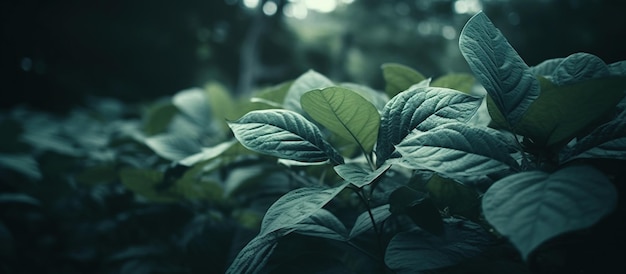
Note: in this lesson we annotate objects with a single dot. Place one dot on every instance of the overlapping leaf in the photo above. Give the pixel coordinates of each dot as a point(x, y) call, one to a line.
point(503, 73)
point(359, 176)
point(456, 150)
point(308, 81)
point(284, 134)
point(423, 109)
point(532, 207)
point(345, 113)
point(399, 78)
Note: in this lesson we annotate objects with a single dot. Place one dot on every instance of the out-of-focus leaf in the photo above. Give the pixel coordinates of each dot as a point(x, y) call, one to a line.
point(222, 104)
point(459, 199)
point(99, 174)
point(273, 96)
point(194, 104)
point(534, 206)
point(21, 163)
point(173, 147)
point(423, 109)
point(399, 78)
point(6, 198)
point(308, 81)
point(158, 117)
point(507, 79)
point(284, 134)
point(416, 251)
point(345, 113)
point(458, 81)
point(143, 182)
point(417, 206)
point(207, 153)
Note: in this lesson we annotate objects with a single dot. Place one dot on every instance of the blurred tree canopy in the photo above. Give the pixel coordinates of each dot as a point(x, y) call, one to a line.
point(55, 53)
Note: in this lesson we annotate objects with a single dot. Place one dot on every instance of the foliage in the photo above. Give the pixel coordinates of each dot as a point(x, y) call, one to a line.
point(442, 176)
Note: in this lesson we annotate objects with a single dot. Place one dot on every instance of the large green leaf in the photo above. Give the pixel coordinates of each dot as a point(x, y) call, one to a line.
point(284, 134)
point(421, 108)
point(308, 81)
point(345, 113)
point(358, 176)
point(456, 150)
point(399, 78)
point(417, 250)
point(253, 257)
point(363, 222)
point(173, 147)
point(498, 67)
point(297, 205)
point(579, 67)
point(532, 207)
point(561, 112)
point(194, 104)
point(458, 81)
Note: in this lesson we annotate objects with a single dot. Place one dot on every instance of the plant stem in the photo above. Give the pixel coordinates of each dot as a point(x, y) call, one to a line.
point(371, 215)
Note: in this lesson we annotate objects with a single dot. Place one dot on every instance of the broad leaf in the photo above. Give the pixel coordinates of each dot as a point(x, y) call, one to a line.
point(399, 78)
point(345, 113)
point(579, 67)
point(363, 223)
point(498, 67)
point(311, 80)
point(207, 153)
point(561, 112)
point(283, 134)
point(608, 141)
point(458, 81)
point(323, 224)
point(253, 257)
point(421, 108)
point(532, 207)
point(195, 105)
point(456, 151)
point(547, 67)
point(358, 176)
point(297, 205)
point(417, 250)
point(173, 147)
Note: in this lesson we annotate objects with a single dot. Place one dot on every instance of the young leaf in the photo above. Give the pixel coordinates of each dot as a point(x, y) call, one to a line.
point(173, 147)
point(363, 223)
point(195, 105)
point(308, 81)
point(532, 207)
point(561, 112)
point(458, 81)
point(423, 109)
point(456, 150)
point(297, 205)
point(323, 224)
point(498, 67)
point(284, 134)
point(345, 113)
point(359, 176)
point(579, 67)
point(399, 78)
point(417, 250)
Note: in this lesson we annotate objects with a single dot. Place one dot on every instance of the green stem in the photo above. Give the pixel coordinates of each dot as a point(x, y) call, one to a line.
point(371, 215)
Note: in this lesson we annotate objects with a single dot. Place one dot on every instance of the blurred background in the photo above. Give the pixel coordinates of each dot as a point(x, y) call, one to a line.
point(56, 53)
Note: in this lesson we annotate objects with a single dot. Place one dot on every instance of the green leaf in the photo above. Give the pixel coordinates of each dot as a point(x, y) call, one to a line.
point(422, 108)
point(561, 112)
point(297, 205)
point(618, 68)
point(607, 141)
point(273, 96)
point(399, 78)
point(363, 222)
point(358, 176)
point(418, 206)
point(21, 163)
point(323, 224)
point(311, 80)
point(207, 153)
point(345, 113)
point(173, 147)
point(547, 67)
point(158, 117)
point(459, 199)
point(99, 174)
point(498, 67)
point(143, 182)
point(534, 206)
point(194, 104)
point(458, 81)
point(253, 257)
point(377, 98)
point(283, 134)
point(222, 104)
point(456, 151)
point(579, 67)
point(417, 250)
